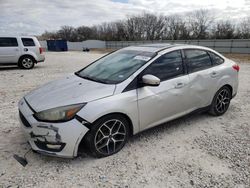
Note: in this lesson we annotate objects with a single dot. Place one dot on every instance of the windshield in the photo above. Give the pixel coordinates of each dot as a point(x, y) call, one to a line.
point(116, 67)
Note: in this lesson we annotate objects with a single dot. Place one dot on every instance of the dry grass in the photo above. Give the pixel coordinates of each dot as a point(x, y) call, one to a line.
point(239, 57)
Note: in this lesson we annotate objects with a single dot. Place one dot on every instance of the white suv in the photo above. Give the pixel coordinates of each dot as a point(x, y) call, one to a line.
point(23, 51)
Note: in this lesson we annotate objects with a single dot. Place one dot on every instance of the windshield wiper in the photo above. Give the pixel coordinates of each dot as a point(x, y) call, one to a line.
point(89, 78)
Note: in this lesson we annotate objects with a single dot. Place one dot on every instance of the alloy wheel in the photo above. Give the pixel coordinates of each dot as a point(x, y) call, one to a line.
point(222, 101)
point(110, 137)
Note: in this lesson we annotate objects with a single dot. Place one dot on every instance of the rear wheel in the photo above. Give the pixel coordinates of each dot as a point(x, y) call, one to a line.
point(108, 135)
point(27, 62)
point(221, 101)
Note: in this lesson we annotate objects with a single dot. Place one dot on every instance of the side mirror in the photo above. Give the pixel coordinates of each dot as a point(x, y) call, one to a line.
point(150, 80)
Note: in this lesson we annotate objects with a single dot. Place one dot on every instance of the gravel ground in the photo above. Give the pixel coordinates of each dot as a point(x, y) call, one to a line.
point(195, 151)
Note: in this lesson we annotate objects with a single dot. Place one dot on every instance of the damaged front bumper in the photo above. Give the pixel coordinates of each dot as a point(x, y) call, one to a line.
point(56, 139)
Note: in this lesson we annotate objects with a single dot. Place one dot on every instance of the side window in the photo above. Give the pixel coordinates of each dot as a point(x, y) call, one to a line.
point(167, 66)
point(8, 42)
point(197, 60)
point(217, 60)
point(28, 42)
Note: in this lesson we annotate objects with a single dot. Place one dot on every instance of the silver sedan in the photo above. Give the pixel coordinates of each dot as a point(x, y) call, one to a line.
point(123, 93)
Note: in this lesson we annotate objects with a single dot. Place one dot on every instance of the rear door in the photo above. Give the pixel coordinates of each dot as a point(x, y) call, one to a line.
point(203, 77)
point(9, 50)
point(168, 100)
point(29, 45)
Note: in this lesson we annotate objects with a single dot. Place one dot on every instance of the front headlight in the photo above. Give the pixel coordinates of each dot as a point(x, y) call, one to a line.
point(63, 113)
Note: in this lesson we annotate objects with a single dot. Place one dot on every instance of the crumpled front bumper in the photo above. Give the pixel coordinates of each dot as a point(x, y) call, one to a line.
point(56, 139)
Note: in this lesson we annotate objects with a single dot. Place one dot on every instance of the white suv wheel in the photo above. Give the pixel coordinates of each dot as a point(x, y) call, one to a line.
point(27, 63)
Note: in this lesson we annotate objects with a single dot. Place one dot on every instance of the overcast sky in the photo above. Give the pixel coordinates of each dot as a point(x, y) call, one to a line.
point(33, 17)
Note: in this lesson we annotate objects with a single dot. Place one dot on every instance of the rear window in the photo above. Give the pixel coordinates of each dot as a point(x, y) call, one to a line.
point(197, 60)
point(217, 60)
point(28, 42)
point(8, 42)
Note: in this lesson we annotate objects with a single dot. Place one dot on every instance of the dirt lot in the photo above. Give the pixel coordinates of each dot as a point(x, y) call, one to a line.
point(195, 151)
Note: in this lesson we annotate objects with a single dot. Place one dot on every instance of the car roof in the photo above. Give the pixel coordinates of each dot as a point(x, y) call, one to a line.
point(16, 36)
point(156, 47)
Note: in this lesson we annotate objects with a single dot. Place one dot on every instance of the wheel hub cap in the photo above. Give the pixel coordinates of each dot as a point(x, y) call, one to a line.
point(110, 137)
point(27, 62)
point(222, 101)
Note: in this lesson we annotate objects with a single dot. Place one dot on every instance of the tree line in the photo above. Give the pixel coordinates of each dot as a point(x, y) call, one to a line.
point(199, 24)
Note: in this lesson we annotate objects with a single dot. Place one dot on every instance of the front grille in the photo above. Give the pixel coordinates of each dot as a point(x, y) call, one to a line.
point(23, 119)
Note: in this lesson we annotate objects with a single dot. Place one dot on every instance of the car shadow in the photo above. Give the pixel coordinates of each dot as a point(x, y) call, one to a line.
point(165, 128)
point(170, 126)
point(14, 67)
point(9, 67)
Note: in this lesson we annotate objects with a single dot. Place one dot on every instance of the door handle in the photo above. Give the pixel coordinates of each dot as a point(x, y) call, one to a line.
point(179, 85)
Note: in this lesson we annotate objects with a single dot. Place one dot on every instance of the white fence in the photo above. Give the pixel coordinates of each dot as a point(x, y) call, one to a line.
point(86, 44)
point(224, 45)
point(78, 46)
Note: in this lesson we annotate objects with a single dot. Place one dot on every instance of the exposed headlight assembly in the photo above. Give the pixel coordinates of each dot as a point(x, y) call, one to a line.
point(59, 114)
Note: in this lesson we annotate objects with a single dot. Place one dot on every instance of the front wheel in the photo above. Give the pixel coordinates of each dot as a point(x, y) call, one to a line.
point(108, 135)
point(221, 101)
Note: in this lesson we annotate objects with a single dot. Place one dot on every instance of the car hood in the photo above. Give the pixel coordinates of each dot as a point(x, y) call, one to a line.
point(67, 91)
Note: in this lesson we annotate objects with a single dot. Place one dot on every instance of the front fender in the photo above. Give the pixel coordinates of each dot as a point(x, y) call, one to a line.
point(125, 103)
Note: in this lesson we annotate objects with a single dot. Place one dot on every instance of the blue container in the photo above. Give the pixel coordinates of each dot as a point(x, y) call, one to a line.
point(57, 45)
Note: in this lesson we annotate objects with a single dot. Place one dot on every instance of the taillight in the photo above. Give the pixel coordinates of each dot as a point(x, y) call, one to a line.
point(41, 50)
point(236, 67)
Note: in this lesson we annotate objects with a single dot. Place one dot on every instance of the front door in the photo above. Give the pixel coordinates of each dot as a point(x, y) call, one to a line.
point(169, 100)
point(9, 50)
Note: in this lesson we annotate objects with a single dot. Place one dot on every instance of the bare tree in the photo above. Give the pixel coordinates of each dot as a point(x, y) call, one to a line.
point(66, 33)
point(84, 33)
point(200, 22)
point(107, 31)
point(120, 31)
point(146, 26)
point(223, 30)
point(134, 27)
point(172, 29)
point(48, 35)
point(153, 26)
point(176, 28)
point(244, 28)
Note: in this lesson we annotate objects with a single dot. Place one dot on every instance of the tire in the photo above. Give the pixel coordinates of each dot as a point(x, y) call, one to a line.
point(26, 62)
point(221, 101)
point(107, 136)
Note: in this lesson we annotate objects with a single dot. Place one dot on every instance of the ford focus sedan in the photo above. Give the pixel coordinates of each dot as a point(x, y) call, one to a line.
point(124, 93)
